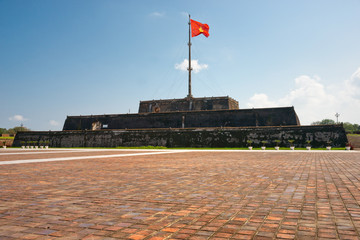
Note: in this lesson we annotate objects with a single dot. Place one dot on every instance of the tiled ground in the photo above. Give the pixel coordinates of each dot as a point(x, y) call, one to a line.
point(42, 154)
point(184, 195)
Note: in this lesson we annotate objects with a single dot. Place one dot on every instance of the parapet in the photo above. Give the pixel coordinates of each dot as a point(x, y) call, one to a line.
point(188, 104)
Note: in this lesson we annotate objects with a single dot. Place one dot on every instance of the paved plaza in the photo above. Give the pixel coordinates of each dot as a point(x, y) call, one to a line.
point(168, 194)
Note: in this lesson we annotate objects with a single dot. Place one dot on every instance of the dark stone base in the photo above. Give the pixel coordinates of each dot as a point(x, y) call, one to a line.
point(192, 137)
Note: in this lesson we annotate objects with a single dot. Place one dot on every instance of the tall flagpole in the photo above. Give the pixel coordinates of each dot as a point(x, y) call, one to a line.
point(189, 69)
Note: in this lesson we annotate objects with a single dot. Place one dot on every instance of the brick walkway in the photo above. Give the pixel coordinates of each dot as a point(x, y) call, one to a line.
point(182, 195)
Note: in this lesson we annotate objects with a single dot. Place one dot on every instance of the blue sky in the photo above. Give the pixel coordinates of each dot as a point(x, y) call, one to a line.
point(83, 57)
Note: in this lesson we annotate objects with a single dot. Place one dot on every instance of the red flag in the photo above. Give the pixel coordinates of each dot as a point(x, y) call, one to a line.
point(198, 28)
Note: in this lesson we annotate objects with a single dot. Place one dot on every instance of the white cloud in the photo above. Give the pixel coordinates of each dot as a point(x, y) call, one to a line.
point(53, 123)
point(313, 100)
point(352, 86)
point(261, 100)
point(194, 65)
point(17, 118)
point(157, 14)
point(356, 74)
point(309, 91)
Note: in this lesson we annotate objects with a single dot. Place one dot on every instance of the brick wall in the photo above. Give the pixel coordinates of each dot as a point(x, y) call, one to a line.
point(354, 140)
point(8, 142)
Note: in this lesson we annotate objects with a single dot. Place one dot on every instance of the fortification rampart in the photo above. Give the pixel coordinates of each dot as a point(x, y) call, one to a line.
point(192, 137)
point(191, 119)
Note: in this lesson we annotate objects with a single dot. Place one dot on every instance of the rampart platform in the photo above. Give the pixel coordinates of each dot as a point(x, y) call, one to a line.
point(282, 116)
point(319, 136)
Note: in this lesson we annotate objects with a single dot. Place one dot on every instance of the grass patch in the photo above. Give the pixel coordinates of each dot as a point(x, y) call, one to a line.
point(189, 148)
point(7, 138)
point(143, 147)
point(353, 135)
point(287, 148)
point(254, 148)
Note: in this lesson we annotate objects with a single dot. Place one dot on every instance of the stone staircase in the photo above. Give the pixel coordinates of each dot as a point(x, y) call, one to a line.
point(354, 140)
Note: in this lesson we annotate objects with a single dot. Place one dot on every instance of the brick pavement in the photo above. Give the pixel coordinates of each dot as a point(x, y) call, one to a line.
point(43, 154)
point(185, 195)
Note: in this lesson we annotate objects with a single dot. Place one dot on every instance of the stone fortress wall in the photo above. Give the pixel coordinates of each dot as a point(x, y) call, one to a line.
point(319, 136)
point(187, 113)
point(188, 104)
point(189, 122)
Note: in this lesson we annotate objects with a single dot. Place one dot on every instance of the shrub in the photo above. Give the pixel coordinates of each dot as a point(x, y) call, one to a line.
point(291, 141)
point(277, 142)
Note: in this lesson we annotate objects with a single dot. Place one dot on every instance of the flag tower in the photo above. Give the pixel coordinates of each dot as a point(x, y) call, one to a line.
point(195, 29)
point(189, 68)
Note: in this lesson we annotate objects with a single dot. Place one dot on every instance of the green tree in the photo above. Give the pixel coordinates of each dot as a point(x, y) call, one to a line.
point(324, 122)
point(357, 127)
point(351, 128)
point(17, 129)
point(3, 130)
